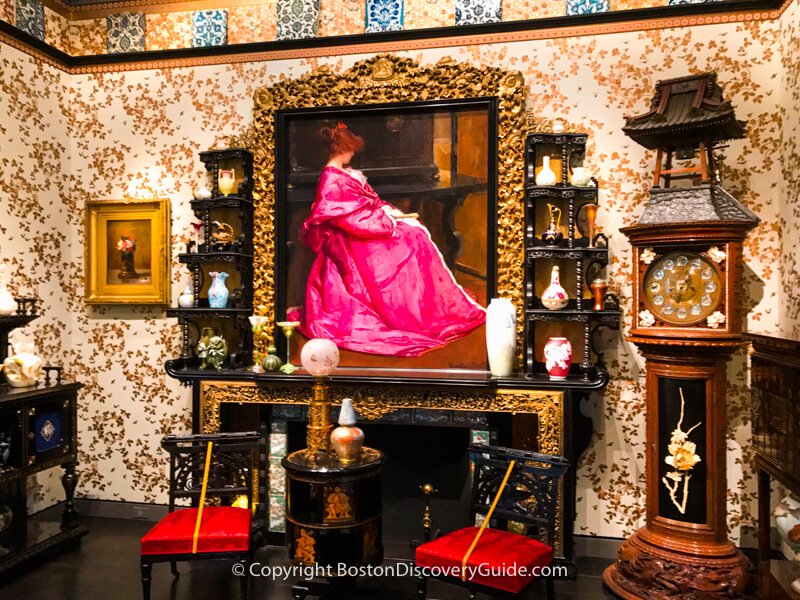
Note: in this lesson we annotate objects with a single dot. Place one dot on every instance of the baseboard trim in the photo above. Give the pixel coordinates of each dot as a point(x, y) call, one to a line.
point(119, 509)
point(599, 547)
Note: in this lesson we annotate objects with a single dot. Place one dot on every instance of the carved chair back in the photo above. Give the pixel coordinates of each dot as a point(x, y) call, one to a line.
point(530, 495)
point(234, 459)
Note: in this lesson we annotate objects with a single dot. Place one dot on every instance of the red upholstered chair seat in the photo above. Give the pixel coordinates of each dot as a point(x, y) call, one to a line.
point(222, 529)
point(505, 559)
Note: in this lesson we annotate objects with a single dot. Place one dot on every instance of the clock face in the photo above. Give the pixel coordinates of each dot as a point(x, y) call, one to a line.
point(682, 288)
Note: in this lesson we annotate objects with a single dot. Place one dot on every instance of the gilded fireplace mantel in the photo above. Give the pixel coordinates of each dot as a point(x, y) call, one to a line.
point(372, 403)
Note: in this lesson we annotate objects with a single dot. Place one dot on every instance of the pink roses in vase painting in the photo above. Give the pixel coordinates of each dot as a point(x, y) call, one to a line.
point(127, 249)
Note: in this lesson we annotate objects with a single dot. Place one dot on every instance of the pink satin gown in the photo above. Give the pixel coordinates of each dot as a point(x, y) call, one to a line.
point(378, 285)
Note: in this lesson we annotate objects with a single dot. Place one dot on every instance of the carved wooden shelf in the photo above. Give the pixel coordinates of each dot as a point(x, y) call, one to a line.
point(190, 258)
point(562, 191)
point(204, 312)
point(557, 252)
point(567, 314)
point(231, 201)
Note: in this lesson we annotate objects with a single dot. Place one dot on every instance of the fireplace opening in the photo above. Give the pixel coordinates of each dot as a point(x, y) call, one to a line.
point(415, 454)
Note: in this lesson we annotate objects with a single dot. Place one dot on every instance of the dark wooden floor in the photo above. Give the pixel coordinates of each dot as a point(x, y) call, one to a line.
point(106, 567)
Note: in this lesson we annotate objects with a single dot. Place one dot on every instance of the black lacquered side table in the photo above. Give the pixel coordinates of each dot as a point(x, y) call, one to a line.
point(333, 514)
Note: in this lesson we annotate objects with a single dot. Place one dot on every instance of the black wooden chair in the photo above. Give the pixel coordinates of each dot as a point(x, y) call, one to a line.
point(501, 563)
point(228, 528)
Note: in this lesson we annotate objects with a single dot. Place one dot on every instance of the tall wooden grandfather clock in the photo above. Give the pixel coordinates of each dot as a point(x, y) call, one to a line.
point(687, 258)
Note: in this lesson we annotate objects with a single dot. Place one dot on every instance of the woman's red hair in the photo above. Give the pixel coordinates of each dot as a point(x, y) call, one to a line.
point(340, 139)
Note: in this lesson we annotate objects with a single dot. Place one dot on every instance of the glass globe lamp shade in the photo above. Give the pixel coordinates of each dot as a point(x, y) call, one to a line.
point(319, 357)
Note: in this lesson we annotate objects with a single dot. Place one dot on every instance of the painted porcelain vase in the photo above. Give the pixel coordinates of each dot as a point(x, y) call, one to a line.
point(555, 296)
point(347, 439)
point(186, 299)
point(218, 292)
point(226, 182)
point(501, 336)
point(546, 176)
point(581, 177)
point(212, 349)
point(8, 306)
point(202, 192)
point(558, 357)
point(24, 368)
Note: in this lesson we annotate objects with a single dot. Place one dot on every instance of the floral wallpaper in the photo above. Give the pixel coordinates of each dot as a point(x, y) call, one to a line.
point(104, 135)
point(790, 172)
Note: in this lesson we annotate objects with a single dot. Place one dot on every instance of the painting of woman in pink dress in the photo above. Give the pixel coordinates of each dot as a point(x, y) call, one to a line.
point(378, 283)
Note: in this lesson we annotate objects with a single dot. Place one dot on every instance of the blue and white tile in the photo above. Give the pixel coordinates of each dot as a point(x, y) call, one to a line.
point(297, 19)
point(125, 32)
point(475, 12)
point(384, 15)
point(30, 17)
point(209, 28)
point(278, 426)
point(587, 7)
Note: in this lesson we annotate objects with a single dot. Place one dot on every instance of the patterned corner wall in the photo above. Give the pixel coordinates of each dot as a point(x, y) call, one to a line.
point(101, 135)
point(268, 20)
point(789, 153)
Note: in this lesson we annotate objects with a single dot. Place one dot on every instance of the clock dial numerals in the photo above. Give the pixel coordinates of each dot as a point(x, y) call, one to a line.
point(682, 288)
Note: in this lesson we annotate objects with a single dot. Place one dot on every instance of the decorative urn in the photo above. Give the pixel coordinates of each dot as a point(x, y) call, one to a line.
point(558, 357)
point(347, 439)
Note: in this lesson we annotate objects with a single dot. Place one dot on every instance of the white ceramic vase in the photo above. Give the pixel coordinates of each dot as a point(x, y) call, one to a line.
point(8, 306)
point(186, 299)
point(546, 176)
point(555, 296)
point(501, 336)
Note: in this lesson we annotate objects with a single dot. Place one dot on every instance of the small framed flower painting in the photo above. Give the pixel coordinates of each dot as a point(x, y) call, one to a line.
point(127, 251)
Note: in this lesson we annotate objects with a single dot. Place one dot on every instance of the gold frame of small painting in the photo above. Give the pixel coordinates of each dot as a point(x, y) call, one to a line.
point(127, 257)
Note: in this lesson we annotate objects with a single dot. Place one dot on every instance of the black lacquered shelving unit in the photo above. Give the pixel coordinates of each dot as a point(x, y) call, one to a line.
point(575, 256)
point(209, 255)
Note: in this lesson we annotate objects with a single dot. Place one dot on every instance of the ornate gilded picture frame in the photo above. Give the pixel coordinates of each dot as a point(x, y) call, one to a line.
point(127, 254)
point(384, 80)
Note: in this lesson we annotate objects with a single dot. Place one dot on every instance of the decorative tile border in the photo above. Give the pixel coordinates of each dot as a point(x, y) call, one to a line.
point(89, 39)
point(125, 33)
point(341, 17)
point(587, 7)
point(297, 19)
point(170, 30)
point(8, 11)
point(209, 28)
point(56, 29)
point(384, 15)
point(475, 12)
point(30, 17)
point(255, 23)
